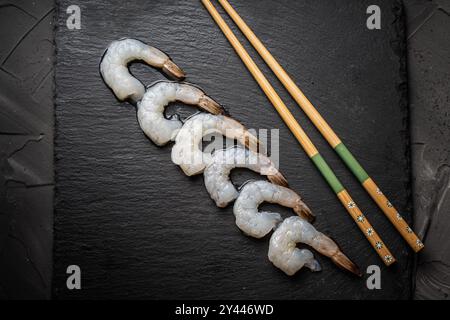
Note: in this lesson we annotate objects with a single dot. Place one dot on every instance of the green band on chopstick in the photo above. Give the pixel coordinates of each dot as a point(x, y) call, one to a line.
point(328, 174)
point(351, 162)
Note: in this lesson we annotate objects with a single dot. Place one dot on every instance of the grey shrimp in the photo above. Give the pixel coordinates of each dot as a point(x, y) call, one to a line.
point(284, 254)
point(259, 223)
point(150, 110)
point(217, 173)
point(114, 67)
point(187, 153)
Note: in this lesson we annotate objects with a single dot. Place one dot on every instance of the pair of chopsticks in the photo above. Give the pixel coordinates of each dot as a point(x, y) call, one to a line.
point(326, 131)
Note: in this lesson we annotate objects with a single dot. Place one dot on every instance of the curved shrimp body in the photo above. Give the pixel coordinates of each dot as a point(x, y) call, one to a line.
point(284, 254)
point(259, 223)
point(114, 67)
point(150, 110)
point(217, 173)
point(187, 153)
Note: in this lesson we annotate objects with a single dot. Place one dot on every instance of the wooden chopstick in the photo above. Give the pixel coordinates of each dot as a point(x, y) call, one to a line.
point(307, 145)
point(327, 132)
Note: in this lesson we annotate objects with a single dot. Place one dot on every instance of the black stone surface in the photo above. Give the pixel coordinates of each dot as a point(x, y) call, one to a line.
point(139, 228)
point(429, 75)
point(26, 148)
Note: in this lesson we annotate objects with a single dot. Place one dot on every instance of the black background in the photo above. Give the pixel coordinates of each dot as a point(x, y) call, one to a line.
point(138, 227)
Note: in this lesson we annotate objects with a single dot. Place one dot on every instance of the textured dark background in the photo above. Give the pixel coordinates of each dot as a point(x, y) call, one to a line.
point(138, 227)
point(26, 135)
point(429, 96)
point(26, 148)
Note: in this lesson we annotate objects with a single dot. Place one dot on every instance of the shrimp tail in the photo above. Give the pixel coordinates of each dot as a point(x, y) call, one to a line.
point(302, 210)
point(211, 106)
point(329, 248)
point(278, 179)
point(343, 262)
point(172, 70)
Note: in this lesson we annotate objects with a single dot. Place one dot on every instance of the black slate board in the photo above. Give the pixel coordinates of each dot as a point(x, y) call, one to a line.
point(139, 228)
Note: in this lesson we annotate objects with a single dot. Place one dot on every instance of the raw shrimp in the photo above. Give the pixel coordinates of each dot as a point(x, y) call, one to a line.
point(284, 254)
point(187, 153)
point(217, 173)
point(114, 67)
point(258, 224)
point(150, 110)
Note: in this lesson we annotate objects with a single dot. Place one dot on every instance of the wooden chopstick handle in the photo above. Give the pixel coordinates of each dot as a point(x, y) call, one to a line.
point(364, 225)
point(302, 138)
point(327, 132)
point(393, 215)
point(361, 221)
point(383, 203)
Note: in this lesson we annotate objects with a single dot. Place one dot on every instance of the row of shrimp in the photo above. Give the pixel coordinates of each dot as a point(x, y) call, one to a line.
point(187, 135)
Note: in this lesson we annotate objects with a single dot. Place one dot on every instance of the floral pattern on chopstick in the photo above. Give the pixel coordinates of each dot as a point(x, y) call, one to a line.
point(351, 205)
